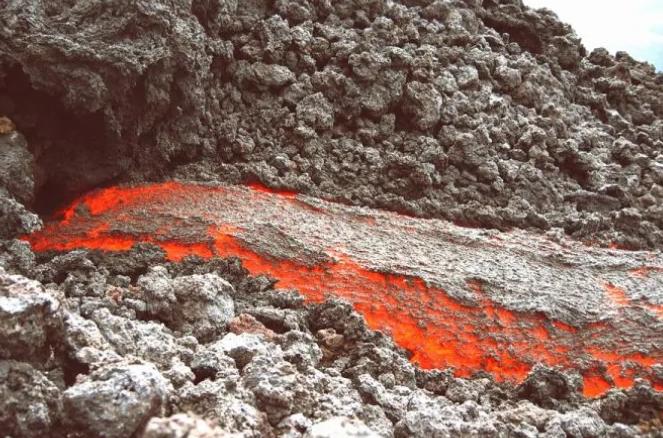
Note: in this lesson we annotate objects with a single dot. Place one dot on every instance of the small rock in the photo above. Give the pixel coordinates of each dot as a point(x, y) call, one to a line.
point(184, 426)
point(115, 401)
point(422, 104)
point(340, 427)
point(200, 305)
point(316, 111)
point(30, 318)
point(16, 165)
point(272, 75)
point(246, 323)
point(245, 346)
point(30, 404)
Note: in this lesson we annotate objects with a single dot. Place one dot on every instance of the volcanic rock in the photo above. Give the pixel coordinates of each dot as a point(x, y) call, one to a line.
point(246, 323)
point(202, 309)
point(226, 401)
point(150, 340)
point(116, 400)
point(340, 426)
point(184, 425)
point(17, 257)
point(200, 305)
point(512, 311)
point(15, 218)
point(321, 97)
point(30, 318)
point(30, 404)
point(16, 167)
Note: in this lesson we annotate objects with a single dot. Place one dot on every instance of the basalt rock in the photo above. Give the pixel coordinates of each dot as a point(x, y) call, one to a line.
point(200, 305)
point(257, 314)
point(116, 375)
point(470, 312)
point(359, 102)
point(116, 400)
point(30, 319)
point(184, 425)
point(30, 404)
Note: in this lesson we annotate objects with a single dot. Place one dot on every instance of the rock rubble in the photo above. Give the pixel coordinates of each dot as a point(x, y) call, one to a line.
point(112, 368)
point(486, 113)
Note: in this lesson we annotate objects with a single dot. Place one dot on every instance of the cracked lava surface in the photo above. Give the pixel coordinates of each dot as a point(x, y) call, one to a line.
point(473, 300)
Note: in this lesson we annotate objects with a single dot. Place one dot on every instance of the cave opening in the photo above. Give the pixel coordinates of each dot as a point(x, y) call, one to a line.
point(72, 152)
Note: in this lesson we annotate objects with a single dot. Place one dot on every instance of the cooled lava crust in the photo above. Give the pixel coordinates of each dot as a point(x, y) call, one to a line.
point(469, 299)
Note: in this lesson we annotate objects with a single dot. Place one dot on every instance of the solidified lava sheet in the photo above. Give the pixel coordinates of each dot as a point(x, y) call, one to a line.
point(473, 300)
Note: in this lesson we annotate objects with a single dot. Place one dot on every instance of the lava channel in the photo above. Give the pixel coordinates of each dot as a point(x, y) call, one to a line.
point(452, 297)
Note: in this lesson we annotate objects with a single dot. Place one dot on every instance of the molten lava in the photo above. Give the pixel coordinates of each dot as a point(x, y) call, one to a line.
point(392, 269)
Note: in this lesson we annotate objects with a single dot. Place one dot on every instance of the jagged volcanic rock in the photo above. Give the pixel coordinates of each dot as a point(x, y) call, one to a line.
point(482, 112)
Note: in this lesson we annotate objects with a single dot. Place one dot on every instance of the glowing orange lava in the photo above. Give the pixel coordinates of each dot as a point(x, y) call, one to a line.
point(437, 329)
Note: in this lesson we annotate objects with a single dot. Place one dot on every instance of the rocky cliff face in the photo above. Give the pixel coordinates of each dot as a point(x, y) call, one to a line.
point(485, 113)
point(482, 112)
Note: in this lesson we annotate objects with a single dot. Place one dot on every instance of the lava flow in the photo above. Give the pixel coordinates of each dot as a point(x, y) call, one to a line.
point(453, 297)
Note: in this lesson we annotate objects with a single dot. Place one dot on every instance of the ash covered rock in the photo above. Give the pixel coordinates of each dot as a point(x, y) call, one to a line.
point(116, 400)
point(200, 305)
point(486, 113)
point(30, 319)
point(340, 426)
point(117, 375)
point(185, 425)
point(30, 404)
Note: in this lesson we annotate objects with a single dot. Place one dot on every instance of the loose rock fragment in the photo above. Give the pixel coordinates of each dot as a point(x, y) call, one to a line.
point(116, 400)
point(340, 426)
point(30, 404)
point(30, 319)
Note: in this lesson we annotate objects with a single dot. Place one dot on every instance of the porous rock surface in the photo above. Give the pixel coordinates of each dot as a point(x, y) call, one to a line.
point(115, 369)
point(484, 112)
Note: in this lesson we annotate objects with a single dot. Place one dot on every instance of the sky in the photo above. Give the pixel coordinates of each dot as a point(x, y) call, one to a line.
point(635, 26)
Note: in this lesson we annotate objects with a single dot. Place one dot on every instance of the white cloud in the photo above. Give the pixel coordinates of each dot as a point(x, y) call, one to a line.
point(635, 26)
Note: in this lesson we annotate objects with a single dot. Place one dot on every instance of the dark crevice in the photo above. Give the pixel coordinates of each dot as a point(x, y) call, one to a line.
point(203, 373)
point(570, 166)
point(521, 33)
point(72, 369)
point(72, 153)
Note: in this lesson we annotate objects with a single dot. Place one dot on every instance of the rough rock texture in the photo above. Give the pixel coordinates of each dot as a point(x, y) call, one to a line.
point(115, 400)
point(16, 183)
point(30, 318)
point(197, 305)
point(30, 404)
point(340, 426)
point(499, 303)
point(118, 369)
point(483, 112)
point(184, 426)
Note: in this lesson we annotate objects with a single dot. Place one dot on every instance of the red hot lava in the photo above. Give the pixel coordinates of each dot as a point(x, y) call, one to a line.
point(440, 330)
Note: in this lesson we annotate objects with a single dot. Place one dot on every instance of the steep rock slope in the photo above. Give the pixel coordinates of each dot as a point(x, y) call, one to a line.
point(483, 112)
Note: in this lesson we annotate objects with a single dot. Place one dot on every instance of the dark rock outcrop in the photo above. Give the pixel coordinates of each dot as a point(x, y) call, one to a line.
point(483, 112)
